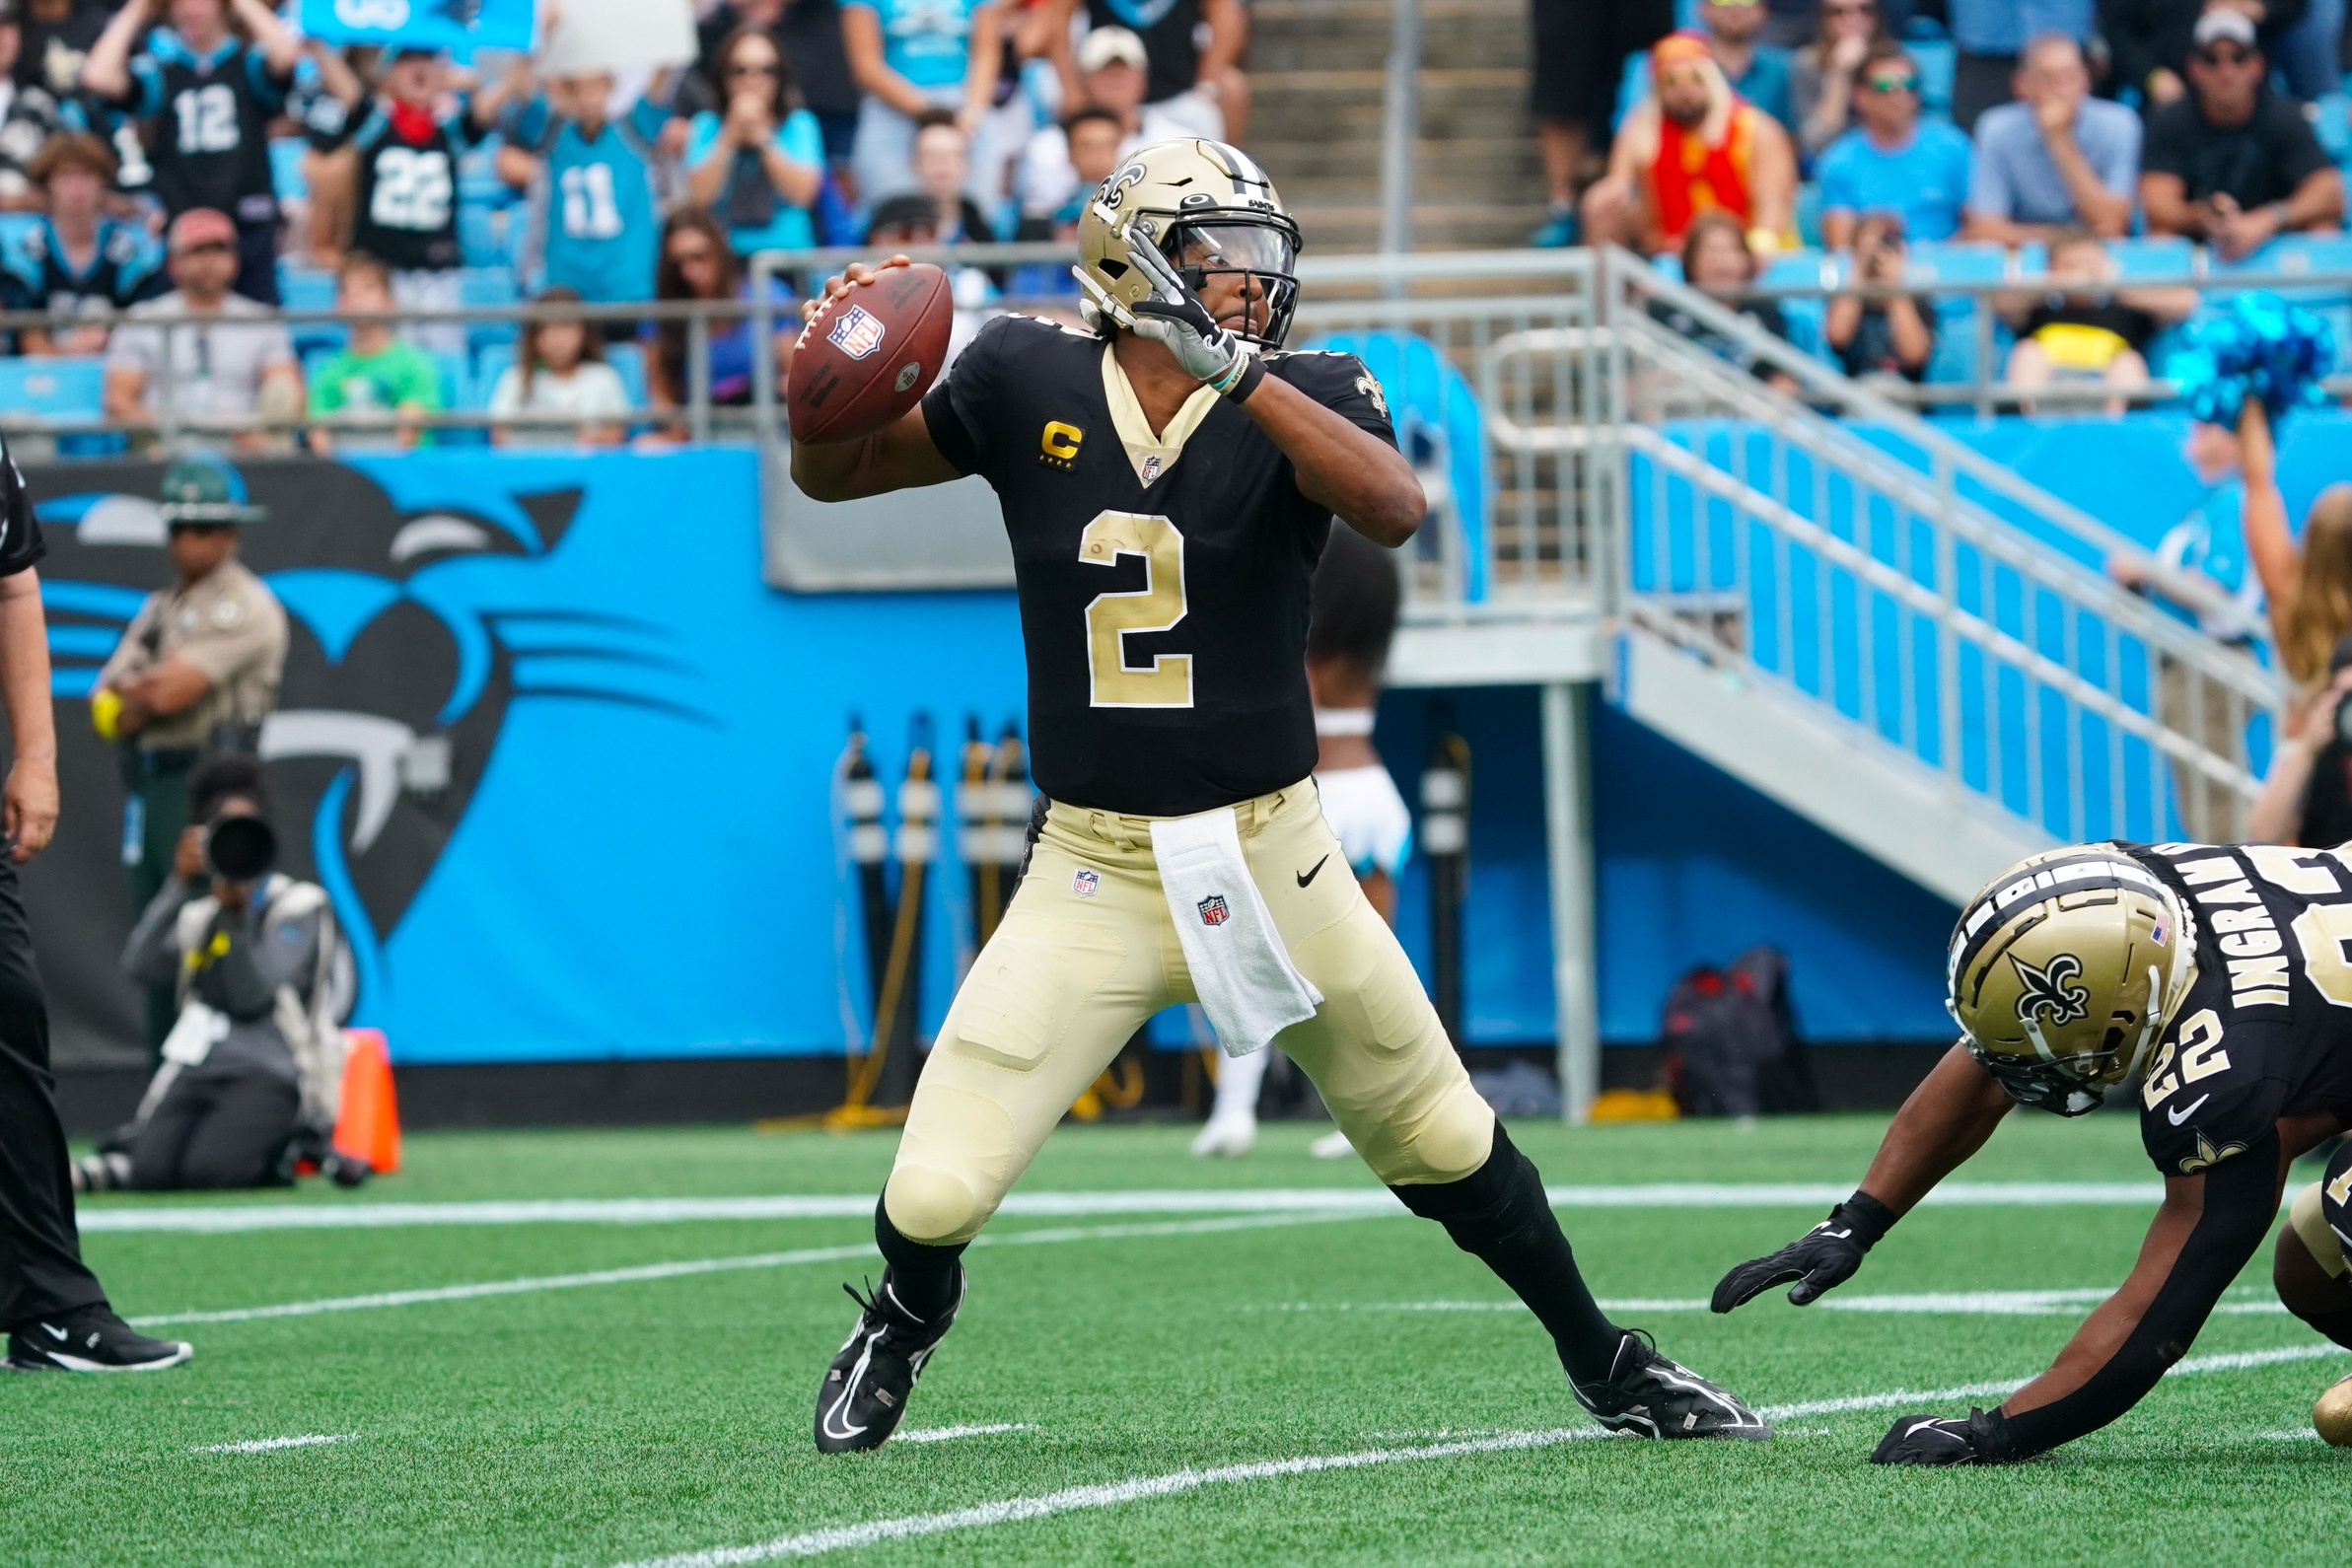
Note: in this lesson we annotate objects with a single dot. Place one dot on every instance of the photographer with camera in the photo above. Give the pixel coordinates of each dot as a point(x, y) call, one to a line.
point(254, 1066)
point(1881, 334)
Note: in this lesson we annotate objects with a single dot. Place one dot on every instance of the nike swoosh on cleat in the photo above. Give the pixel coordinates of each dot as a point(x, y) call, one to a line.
point(56, 1333)
point(2177, 1116)
point(1306, 877)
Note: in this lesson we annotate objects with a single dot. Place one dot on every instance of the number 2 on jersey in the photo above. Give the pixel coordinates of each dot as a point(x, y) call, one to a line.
point(1158, 606)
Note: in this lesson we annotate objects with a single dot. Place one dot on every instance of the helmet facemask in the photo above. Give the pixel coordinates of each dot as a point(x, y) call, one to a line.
point(1262, 253)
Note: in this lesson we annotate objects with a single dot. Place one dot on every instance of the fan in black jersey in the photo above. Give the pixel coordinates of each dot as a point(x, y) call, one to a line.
point(75, 260)
point(405, 203)
point(1169, 481)
point(205, 95)
point(2214, 979)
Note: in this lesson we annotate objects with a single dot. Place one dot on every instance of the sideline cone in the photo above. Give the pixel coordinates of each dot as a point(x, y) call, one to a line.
point(368, 1127)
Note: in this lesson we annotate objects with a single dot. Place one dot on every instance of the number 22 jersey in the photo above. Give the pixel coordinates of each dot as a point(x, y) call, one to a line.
point(1164, 576)
point(2265, 1031)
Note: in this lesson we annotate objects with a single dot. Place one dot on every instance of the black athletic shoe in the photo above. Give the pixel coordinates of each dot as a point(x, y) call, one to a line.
point(865, 1390)
point(92, 1339)
point(1649, 1396)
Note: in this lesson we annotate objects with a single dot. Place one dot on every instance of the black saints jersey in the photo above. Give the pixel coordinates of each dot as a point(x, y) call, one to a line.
point(2266, 1029)
point(1163, 577)
point(207, 124)
point(21, 543)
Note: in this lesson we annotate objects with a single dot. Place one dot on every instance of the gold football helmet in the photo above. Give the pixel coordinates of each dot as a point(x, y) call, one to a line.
point(2065, 968)
point(1209, 209)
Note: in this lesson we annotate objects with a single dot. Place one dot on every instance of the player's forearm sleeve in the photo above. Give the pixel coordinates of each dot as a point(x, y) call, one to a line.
point(2241, 1202)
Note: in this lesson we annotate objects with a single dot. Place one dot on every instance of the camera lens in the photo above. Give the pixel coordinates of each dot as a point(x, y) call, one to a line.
point(240, 848)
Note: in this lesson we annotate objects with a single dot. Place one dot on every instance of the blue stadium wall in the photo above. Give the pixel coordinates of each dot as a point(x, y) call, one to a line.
point(643, 861)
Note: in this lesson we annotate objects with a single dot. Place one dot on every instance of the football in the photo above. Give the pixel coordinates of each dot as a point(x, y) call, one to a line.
point(870, 354)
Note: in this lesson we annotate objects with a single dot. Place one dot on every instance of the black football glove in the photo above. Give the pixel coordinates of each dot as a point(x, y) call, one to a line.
point(1173, 316)
point(1821, 1259)
point(1938, 1440)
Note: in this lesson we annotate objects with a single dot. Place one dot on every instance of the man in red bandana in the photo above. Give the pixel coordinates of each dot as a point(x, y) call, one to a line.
point(405, 195)
point(1694, 146)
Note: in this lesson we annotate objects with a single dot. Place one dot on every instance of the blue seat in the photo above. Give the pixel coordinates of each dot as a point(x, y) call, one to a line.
point(2153, 258)
point(1957, 261)
point(57, 388)
point(482, 286)
point(2331, 123)
point(1434, 404)
point(1939, 65)
point(309, 289)
point(285, 169)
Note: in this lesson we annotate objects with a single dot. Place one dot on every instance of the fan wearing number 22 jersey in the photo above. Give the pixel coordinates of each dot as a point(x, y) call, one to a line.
point(1169, 481)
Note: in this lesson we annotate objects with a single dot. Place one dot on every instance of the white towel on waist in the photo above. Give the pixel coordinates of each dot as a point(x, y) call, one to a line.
point(1248, 985)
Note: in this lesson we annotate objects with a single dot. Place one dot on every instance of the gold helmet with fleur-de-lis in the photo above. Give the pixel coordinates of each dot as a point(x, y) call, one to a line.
point(2064, 970)
point(1209, 210)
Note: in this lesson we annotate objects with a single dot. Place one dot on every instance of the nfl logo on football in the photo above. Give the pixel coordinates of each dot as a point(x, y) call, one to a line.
point(1213, 911)
point(856, 333)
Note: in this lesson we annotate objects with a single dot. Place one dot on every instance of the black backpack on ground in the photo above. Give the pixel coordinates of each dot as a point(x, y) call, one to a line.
point(1728, 1041)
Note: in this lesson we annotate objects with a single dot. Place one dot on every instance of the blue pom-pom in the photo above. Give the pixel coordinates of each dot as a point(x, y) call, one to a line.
point(2258, 346)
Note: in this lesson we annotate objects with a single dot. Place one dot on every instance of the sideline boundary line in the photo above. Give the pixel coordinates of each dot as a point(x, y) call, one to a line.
point(229, 1219)
point(722, 1265)
point(1012, 1510)
point(2067, 1301)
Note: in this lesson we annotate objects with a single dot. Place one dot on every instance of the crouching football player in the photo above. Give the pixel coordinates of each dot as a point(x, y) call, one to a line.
point(1168, 489)
point(2216, 977)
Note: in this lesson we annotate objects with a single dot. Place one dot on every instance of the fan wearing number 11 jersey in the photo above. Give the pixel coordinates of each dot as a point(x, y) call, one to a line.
point(2209, 988)
point(1169, 480)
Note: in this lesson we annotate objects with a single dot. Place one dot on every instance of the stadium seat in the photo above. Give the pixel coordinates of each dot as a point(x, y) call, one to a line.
point(56, 388)
point(2331, 123)
point(309, 289)
point(483, 286)
point(2155, 258)
point(1939, 64)
point(285, 169)
point(628, 360)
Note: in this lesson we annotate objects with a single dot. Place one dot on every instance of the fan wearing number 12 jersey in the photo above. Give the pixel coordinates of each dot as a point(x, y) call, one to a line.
point(1169, 480)
point(2212, 987)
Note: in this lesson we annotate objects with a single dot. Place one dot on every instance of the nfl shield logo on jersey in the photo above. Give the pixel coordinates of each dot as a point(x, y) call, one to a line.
point(1213, 911)
point(856, 333)
point(1084, 881)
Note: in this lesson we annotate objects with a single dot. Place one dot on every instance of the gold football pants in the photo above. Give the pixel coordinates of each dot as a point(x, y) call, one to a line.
point(1088, 951)
point(2311, 1225)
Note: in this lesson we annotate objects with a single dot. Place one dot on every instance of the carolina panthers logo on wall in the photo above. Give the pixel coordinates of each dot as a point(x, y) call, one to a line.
point(413, 638)
point(2050, 996)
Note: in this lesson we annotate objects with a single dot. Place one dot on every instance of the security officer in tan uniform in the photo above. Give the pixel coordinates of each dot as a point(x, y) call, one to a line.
point(197, 670)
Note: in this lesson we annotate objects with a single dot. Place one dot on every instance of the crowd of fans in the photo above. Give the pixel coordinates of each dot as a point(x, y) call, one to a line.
point(181, 159)
point(2067, 124)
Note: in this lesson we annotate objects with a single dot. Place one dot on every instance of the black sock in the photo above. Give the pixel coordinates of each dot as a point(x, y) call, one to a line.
point(923, 1277)
point(1498, 1214)
point(2336, 1325)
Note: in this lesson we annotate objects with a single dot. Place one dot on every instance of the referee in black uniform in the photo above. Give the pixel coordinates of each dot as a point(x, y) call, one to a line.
point(54, 1307)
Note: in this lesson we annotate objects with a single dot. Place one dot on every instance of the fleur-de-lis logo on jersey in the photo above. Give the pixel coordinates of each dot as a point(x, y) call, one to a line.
point(1372, 390)
point(2052, 995)
point(2207, 1155)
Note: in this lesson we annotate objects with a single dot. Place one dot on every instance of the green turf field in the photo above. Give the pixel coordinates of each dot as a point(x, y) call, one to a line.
point(618, 1420)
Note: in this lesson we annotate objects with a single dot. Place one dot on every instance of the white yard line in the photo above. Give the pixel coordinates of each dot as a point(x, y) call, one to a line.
point(2068, 1302)
point(948, 1434)
point(332, 1215)
point(272, 1444)
point(1114, 1494)
point(716, 1265)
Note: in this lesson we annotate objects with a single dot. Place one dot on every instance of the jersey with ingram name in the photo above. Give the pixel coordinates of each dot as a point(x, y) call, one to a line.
point(1164, 576)
point(2266, 1029)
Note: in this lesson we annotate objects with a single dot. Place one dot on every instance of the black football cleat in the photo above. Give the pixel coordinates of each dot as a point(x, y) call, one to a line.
point(865, 1391)
point(1648, 1395)
point(92, 1339)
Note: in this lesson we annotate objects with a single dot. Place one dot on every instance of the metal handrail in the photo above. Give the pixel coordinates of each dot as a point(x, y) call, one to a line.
point(2057, 666)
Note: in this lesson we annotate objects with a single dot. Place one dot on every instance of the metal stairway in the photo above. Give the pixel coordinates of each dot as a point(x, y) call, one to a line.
point(1868, 621)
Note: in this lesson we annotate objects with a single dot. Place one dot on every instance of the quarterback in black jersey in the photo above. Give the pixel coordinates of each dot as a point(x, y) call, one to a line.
point(2215, 980)
point(1169, 480)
